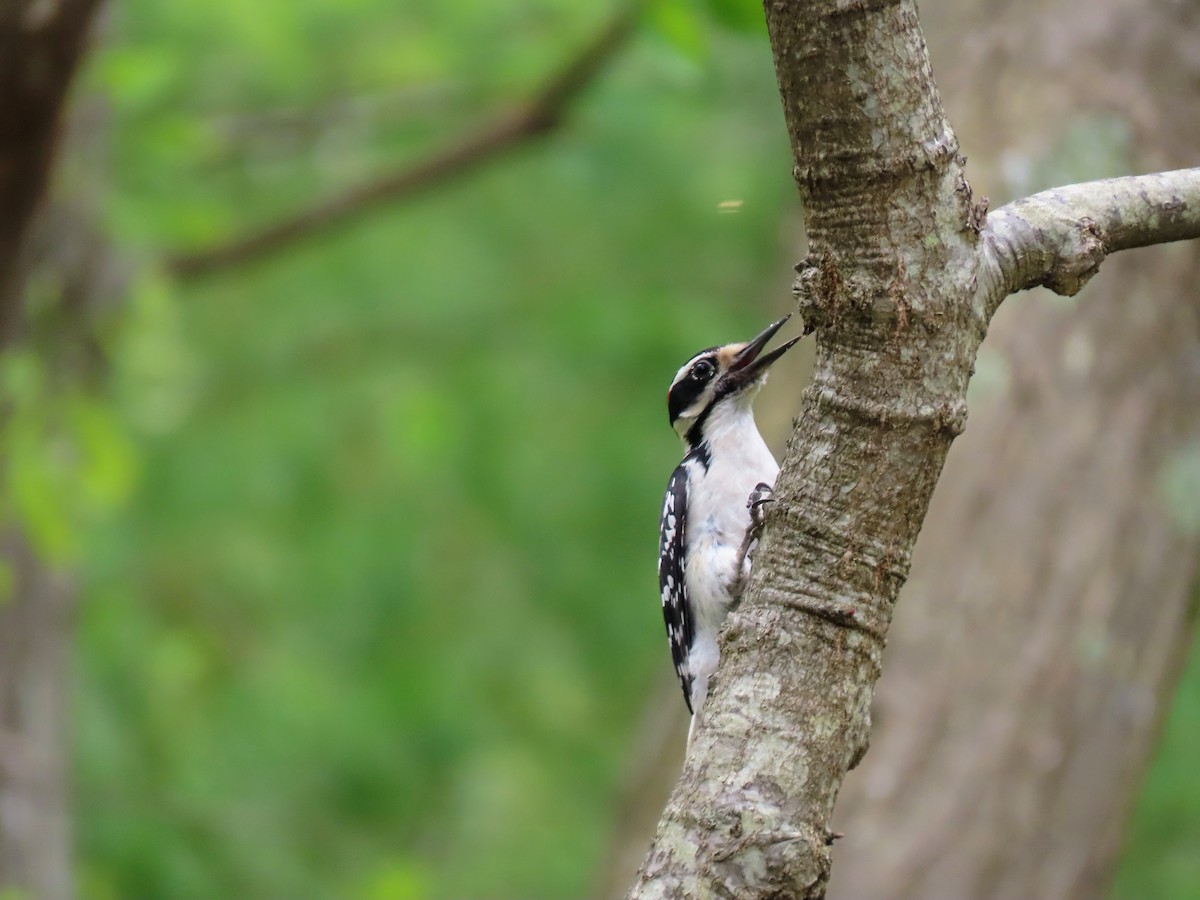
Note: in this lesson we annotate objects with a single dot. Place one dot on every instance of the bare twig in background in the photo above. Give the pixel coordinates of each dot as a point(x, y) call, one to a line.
point(527, 122)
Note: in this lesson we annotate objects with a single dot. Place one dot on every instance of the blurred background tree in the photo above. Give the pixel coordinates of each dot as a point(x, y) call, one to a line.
point(1051, 603)
point(378, 614)
point(364, 530)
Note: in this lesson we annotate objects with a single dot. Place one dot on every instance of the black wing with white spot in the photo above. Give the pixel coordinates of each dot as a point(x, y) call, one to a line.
point(677, 612)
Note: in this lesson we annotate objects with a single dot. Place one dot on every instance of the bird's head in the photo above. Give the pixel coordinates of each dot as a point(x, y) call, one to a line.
point(731, 374)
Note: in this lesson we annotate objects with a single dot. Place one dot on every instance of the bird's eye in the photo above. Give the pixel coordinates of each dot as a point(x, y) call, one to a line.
point(703, 370)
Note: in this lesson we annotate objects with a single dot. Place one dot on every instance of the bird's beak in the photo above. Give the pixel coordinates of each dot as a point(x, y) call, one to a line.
point(748, 365)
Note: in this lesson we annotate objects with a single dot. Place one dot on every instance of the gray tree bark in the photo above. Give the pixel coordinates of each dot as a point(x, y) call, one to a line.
point(35, 636)
point(1049, 605)
point(40, 46)
point(902, 275)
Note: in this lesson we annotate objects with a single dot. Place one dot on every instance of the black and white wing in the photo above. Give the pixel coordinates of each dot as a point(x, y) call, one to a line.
point(677, 611)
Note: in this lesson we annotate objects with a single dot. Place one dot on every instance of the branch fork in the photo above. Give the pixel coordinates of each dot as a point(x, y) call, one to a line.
point(904, 272)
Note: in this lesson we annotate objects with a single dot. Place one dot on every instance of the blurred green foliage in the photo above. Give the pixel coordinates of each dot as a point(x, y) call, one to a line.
point(379, 614)
point(369, 605)
point(1162, 856)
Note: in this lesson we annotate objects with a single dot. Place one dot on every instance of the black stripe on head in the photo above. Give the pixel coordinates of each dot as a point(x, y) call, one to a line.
point(688, 388)
point(696, 432)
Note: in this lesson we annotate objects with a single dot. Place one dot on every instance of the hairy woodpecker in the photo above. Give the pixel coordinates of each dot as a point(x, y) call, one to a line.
point(710, 515)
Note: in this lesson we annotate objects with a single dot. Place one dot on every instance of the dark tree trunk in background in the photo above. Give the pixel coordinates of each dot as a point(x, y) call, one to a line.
point(41, 44)
point(1037, 643)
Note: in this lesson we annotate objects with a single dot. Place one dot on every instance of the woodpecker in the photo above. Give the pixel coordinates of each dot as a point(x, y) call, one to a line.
point(712, 509)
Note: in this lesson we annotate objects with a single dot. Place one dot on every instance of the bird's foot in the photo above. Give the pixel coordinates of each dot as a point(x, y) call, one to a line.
point(759, 497)
point(762, 494)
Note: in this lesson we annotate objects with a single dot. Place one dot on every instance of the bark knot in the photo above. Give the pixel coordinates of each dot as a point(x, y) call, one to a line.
point(824, 296)
point(819, 290)
point(789, 860)
point(1079, 258)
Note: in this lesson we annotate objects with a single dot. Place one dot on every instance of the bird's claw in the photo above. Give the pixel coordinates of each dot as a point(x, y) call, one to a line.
point(759, 497)
point(762, 494)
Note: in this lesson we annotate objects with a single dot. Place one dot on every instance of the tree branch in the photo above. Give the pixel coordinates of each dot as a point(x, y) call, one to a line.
point(903, 272)
point(537, 117)
point(892, 236)
point(1059, 237)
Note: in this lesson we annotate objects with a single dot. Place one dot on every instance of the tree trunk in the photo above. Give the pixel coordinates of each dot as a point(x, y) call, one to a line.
point(35, 634)
point(1039, 638)
point(904, 271)
point(41, 44)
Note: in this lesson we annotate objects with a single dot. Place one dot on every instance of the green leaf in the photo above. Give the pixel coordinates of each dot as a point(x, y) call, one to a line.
point(40, 494)
point(136, 78)
point(679, 23)
point(738, 15)
point(107, 459)
point(401, 880)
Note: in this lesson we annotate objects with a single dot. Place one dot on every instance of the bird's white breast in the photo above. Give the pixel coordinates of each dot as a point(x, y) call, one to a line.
point(717, 515)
